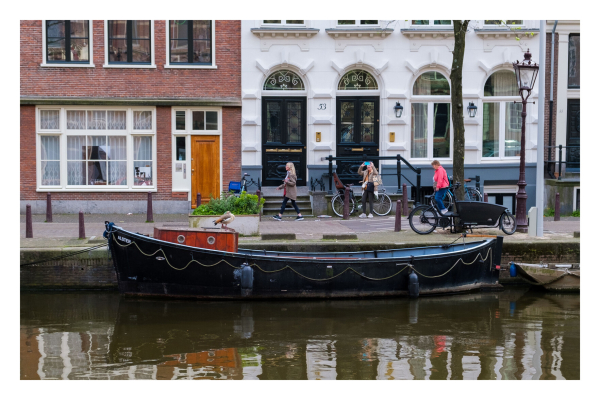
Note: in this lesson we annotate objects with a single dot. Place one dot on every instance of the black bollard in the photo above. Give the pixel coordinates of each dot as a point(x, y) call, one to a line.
point(557, 207)
point(28, 222)
point(398, 220)
point(48, 208)
point(259, 209)
point(198, 200)
point(485, 198)
point(404, 200)
point(81, 226)
point(149, 216)
point(347, 203)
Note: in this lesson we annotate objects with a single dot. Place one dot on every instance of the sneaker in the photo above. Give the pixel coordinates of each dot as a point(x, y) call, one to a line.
point(363, 215)
point(370, 216)
point(299, 218)
point(276, 217)
point(444, 211)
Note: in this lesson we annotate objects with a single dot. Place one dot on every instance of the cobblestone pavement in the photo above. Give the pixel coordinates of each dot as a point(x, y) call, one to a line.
point(376, 229)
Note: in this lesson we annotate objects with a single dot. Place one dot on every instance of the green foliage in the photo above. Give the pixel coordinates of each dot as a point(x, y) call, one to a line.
point(549, 212)
point(575, 213)
point(244, 205)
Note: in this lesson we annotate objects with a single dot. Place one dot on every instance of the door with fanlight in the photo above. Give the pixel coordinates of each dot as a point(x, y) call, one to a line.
point(357, 126)
point(283, 138)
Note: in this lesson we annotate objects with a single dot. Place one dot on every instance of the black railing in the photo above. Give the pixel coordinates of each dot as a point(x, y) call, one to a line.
point(315, 182)
point(399, 160)
point(560, 161)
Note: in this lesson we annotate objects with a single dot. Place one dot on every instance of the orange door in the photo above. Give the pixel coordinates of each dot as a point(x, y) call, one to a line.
point(206, 167)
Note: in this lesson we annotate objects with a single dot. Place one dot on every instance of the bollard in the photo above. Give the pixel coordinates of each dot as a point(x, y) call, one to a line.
point(259, 209)
point(557, 207)
point(28, 223)
point(48, 208)
point(81, 226)
point(347, 203)
point(404, 200)
point(149, 216)
point(198, 200)
point(398, 220)
point(485, 198)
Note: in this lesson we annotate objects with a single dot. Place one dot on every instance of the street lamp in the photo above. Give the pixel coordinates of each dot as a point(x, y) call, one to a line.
point(398, 109)
point(526, 72)
point(472, 109)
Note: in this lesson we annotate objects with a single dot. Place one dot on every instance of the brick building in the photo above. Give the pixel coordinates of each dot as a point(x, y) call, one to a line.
point(112, 110)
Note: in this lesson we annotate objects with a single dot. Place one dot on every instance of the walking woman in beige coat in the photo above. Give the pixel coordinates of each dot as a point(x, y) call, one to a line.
point(289, 192)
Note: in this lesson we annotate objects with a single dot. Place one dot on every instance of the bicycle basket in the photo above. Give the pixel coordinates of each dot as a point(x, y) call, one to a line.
point(235, 187)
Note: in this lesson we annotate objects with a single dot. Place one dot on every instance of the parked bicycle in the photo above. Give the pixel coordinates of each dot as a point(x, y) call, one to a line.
point(471, 194)
point(382, 205)
point(425, 219)
point(242, 186)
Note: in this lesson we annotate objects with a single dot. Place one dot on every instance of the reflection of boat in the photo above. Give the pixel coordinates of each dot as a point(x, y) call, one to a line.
point(148, 266)
point(551, 278)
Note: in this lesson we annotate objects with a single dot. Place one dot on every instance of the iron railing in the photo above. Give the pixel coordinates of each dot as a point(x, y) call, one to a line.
point(560, 161)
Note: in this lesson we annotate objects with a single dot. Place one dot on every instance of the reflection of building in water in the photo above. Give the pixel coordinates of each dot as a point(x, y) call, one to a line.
point(212, 364)
point(321, 359)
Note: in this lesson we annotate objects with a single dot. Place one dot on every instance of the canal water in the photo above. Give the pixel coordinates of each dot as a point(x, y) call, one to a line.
point(511, 335)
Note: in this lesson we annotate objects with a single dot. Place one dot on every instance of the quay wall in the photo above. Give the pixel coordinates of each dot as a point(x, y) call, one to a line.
point(94, 269)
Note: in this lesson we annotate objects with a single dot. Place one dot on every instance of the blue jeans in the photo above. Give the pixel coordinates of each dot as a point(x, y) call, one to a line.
point(439, 195)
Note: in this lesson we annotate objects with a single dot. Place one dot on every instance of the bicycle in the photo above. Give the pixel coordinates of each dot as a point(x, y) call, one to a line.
point(471, 194)
point(425, 219)
point(381, 206)
point(242, 186)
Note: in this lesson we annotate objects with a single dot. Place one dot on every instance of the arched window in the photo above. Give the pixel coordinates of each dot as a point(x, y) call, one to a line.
point(283, 80)
point(430, 119)
point(501, 116)
point(357, 80)
point(431, 83)
point(501, 83)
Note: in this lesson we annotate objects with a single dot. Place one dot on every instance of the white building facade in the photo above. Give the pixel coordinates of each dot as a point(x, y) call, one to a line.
point(316, 88)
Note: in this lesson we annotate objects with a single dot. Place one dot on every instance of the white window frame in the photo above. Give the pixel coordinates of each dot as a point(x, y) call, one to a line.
point(68, 64)
point(503, 100)
point(125, 65)
point(282, 23)
point(522, 24)
point(430, 101)
point(190, 66)
point(430, 24)
point(63, 133)
point(188, 133)
point(356, 23)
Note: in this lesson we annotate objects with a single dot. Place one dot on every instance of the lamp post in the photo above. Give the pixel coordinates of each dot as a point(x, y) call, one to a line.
point(526, 71)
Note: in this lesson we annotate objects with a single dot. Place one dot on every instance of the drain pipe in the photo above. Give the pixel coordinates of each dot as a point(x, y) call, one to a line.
point(551, 102)
point(539, 170)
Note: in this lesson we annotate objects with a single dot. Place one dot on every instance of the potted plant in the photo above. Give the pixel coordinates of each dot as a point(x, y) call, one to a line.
point(245, 208)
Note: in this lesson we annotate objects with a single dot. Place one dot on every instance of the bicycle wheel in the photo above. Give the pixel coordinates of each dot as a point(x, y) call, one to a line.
point(448, 201)
point(423, 220)
point(508, 223)
point(473, 194)
point(383, 205)
point(337, 204)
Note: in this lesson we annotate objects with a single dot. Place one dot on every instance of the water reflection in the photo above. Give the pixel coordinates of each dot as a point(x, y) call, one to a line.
point(514, 334)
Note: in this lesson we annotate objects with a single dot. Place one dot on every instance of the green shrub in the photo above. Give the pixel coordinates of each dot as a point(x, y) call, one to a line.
point(244, 205)
point(575, 213)
point(549, 212)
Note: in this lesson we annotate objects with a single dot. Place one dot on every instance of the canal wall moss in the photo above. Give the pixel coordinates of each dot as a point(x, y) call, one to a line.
point(94, 269)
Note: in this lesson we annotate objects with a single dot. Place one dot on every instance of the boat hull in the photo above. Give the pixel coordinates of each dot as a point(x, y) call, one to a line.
point(151, 267)
point(555, 279)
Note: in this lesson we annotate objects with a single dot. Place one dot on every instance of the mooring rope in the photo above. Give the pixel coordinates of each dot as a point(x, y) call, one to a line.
point(65, 255)
point(362, 275)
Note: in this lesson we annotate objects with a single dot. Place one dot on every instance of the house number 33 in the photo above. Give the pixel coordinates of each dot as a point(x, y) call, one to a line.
point(322, 106)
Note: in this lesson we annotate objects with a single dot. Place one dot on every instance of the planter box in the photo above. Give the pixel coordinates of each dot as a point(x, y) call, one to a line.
point(246, 225)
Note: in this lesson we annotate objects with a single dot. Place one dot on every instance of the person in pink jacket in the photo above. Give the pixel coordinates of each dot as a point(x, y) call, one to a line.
point(441, 185)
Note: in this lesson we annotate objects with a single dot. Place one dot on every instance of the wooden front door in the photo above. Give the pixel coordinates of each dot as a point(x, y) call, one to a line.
point(357, 126)
point(283, 138)
point(573, 133)
point(206, 167)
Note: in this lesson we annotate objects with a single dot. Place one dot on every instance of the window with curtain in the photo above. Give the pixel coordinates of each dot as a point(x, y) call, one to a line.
point(431, 83)
point(67, 41)
point(283, 22)
point(432, 22)
point(501, 135)
point(358, 22)
point(98, 149)
point(190, 42)
point(49, 119)
point(574, 54)
point(129, 42)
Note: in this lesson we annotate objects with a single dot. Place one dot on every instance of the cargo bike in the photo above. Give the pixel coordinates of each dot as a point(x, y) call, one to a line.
point(426, 218)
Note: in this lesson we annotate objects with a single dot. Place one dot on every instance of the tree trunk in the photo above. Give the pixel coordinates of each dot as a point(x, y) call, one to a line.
point(458, 157)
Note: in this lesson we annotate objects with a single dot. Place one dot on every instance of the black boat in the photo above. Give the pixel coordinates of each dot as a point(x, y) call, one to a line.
point(149, 266)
